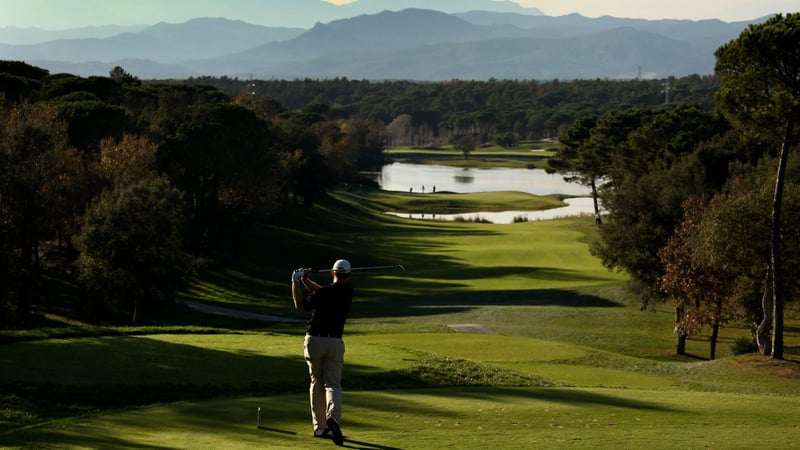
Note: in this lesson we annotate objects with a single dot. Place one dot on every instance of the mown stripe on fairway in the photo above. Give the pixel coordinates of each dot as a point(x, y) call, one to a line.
point(478, 346)
point(534, 357)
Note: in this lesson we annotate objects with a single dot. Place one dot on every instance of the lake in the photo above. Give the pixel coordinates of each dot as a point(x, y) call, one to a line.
point(424, 179)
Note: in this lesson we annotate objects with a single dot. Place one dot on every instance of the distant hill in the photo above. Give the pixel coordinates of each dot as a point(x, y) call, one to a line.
point(163, 42)
point(27, 36)
point(271, 13)
point(415, 44)
point(445, 6)
point(576, 24)
point(616, 53)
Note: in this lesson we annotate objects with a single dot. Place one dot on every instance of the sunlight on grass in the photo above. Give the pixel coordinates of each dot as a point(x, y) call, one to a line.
point(514, 418)
point(479, 347)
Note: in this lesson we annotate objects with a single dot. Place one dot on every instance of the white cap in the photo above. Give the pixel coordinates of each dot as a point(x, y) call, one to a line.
point(341, 266)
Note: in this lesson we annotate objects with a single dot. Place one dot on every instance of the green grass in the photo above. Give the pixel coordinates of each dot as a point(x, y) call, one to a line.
point(571, 361)
point(524, 155)
point(508, 418)
point(425, 400)
point(452, 203)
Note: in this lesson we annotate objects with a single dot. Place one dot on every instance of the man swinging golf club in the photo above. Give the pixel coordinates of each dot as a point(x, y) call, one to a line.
point(323, 347)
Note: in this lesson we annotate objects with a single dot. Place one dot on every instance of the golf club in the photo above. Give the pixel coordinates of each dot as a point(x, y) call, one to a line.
point(396, 266)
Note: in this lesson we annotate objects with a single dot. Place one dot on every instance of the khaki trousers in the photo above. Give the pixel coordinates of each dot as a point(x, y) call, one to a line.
point(325, 359)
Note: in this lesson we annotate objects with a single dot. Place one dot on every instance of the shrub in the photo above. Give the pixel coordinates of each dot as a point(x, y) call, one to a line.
point(743, 345)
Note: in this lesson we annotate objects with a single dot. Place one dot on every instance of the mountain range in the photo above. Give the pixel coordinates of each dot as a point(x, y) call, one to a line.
point(274, 13)
point(414, 44)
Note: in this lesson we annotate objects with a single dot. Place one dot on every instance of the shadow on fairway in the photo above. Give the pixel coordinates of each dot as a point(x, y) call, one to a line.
point(501, 395)
point(78, 375)
point(560, 395)
point(348, 443)
point(548, 274)
point(40, 439)
point(275, 430)
point(428, 304)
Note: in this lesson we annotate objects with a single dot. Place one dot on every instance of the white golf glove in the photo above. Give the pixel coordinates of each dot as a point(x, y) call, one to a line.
point(297, 275)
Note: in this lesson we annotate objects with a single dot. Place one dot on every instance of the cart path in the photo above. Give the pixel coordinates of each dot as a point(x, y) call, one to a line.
point(470, 328)
point(234, 313)
point(238, 314)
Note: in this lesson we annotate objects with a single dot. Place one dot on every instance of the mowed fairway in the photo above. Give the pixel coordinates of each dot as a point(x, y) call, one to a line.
point(640, 410)
point(564, 359)
point(504, 418)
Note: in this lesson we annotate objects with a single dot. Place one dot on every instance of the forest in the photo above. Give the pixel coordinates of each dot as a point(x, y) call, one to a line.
point(114, 190)
point(427, 113)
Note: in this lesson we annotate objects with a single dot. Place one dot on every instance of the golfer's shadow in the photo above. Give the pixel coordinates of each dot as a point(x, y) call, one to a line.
point(350, 443)
point(275, 430)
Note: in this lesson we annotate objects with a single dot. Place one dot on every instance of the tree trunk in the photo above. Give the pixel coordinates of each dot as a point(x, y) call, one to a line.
point(763, 338)
point(712, 354)
point(137, 306)
point(594, 196)
point(680, 343)
point(777, 263)
point(28, 276)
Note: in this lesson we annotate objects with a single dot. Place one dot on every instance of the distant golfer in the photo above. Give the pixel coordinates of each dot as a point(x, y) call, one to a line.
point(323, 347)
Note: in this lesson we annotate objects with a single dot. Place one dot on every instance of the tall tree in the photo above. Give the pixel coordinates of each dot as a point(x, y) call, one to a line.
point(129, 158)
point(91, 121)
point(651, 173)
point(119, 74)
point(465, 143)
point(367, 140)
point(735, 235)
point(38, 172)
point(220, 156)
point(579, 158)
point(760, 73)
point(306, 172)
point(702, 292)
point(130, 248)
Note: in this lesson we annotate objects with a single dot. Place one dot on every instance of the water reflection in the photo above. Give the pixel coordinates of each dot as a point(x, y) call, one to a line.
point(412, 178)
point(576, 207)
point(464, 177)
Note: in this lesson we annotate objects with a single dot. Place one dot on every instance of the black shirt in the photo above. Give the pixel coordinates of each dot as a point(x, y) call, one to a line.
point(331, 306)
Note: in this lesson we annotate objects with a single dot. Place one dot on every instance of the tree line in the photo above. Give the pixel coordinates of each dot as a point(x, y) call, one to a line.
point(119, 186)
point(703, 206)
point(498, 111)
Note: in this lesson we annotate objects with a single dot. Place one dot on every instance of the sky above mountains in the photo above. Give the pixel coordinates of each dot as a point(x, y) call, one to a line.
point(726, 10)
point(63, 14)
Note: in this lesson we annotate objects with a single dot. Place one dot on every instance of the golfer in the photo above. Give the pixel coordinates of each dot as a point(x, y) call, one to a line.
point(323, 347)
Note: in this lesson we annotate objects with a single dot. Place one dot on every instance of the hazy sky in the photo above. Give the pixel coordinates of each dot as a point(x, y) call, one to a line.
point(61, 14)
point(727, 10)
